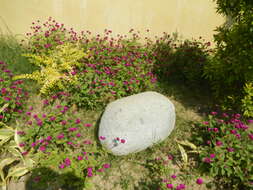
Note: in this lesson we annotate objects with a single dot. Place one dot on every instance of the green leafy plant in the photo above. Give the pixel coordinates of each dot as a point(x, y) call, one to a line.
point(182, 60)
point(13, 164)
point(12, 97)
point(247, 102)
point(231, 68)
point(226, 150)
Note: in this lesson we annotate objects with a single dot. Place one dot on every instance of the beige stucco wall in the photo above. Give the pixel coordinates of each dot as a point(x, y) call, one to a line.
point(191, 18)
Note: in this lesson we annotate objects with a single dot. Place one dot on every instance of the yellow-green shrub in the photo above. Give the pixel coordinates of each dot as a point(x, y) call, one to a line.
point(247, 101)
point(53, 66)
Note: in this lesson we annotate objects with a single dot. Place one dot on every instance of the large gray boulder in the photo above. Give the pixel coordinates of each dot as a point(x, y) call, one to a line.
point(141, 120)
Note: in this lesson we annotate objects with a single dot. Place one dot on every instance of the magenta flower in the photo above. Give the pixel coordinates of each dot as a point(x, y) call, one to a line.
point(169, 186)
point(64, 122)
point(199, 181)
point(28, 113)
point(215, 130)
point(170, 157)
point(42, 148)
point(67, 162)
point(205, 122)
point(102, 138)
point(213, 113)
point(233, 131)
point(212, 155)
point(52, 118)
point(219, 143)
point(47, 45)
point(20, 132)
point(79, 158)
point(33, 144)
point(71, 129)
point(49, 138)
point(60, 136)
point(225, 115)
point(250, 136)
point(173, 176)
point(61, 166)
point(24, 153)
point(106, 165)
point(89, 172)
point(78, 121)
point(100, 170)
point(21, 144)
point(230, 149)
point(78, 135)
point(250, 121)
point(207, 160)
point(123, 141)
point(87, 124)
point(180, 186)
point(208, 142)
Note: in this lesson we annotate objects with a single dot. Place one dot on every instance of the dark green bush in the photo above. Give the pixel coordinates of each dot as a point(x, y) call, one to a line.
point(182, 60)
point(231, 69)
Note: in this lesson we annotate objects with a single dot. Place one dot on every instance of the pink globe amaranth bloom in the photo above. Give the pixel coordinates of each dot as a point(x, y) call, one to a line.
point(212, 155)
point(106, 166)
point(173, 176)
point(67, 162)
point(60, 136)
point(79, 158)
point(44, 115)
point(208, 142)
point(71, 129)
point(180, 186)
point(24, 153)
point(170, 157)
point(89, 170)
point(28, 113)
point(21, 144)
point(205, 122)
point(250, 121)
point(33, 144)
point(63, 122)
point(230, 149)
point(199, 181)
point(42, 148)
point(49, 138)
point(213, 113)
point(52, 118)
point(250, 136)
point(238, 136)
point(233, 131)
point(1, 116)
point(87, 124)
point(169, 186)
point(123, 141)
point(102, 138)
point(100, 170)
point(78, 135)
point(61, 166)
point(78, 121)
point(215, 130)
point(207, 160)
point(219, 143)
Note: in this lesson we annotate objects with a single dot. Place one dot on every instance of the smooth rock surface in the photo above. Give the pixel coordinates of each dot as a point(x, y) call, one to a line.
point(141, 120)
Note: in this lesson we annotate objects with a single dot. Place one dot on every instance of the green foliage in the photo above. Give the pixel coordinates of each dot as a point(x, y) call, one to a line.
point(62, 143)
point(53, 66)
point(247, 101)
point(111, 72)
point(226, 150)
point(181, 60)
point(231, 67)
point(12, 97)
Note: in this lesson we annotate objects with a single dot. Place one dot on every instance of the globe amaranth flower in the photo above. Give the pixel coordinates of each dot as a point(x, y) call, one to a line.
point(106, 166)
point(67, 162)
point(207, 160)
point(199, 181)
point(212, 155)
point(60, 136)
point(42, 148)
point(215, 130)
point(250, 136)
point(180, 186)
point(173, 176)
point(49, 138)
point(102, 138)
point(230, 149)
point(79, 157)
point(219, 143)
point(61, 166)
point(169, 186)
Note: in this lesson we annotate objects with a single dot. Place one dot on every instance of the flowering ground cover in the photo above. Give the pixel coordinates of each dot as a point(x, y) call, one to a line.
point(50, 114)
